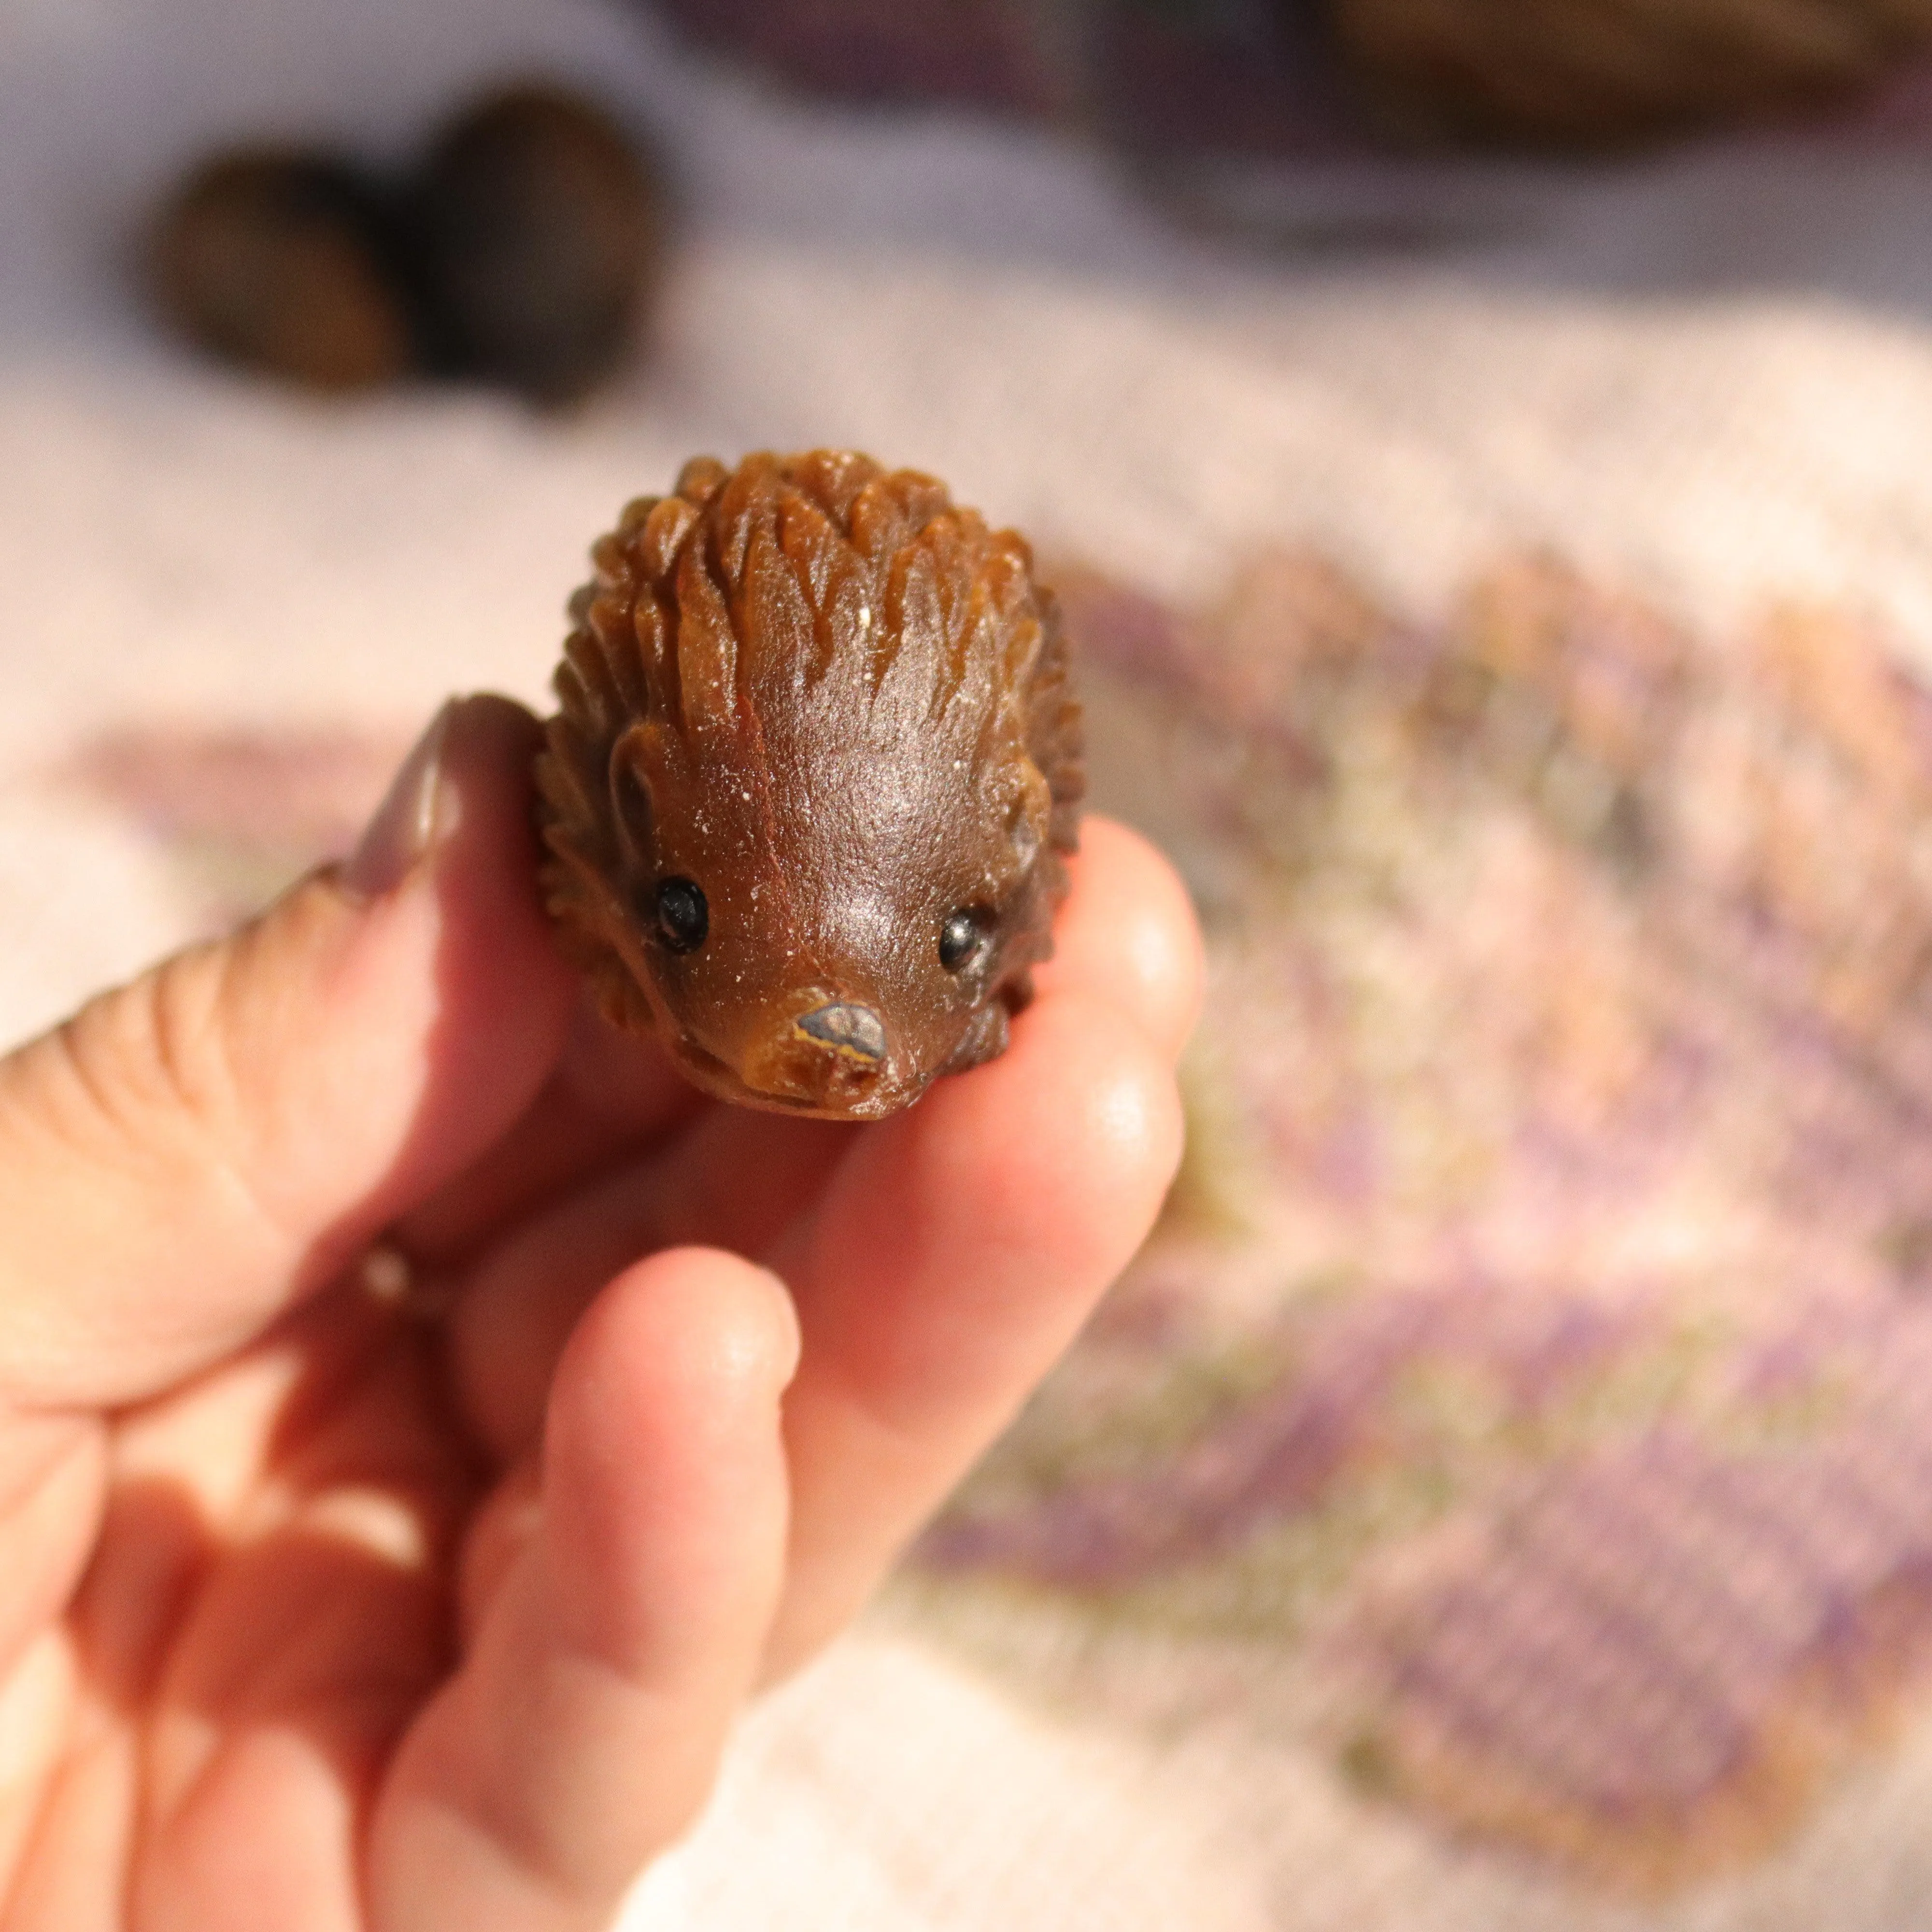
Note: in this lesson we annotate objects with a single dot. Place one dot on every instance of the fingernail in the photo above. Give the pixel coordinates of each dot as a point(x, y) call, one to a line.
point(404, 827)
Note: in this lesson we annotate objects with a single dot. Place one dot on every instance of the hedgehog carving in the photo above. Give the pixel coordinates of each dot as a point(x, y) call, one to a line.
point(817, 768)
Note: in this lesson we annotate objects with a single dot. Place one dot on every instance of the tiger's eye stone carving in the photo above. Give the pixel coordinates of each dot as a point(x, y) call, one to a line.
point(816, 770)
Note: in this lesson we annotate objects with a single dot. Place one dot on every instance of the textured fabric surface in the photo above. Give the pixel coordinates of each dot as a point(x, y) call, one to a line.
point(1501, 1497)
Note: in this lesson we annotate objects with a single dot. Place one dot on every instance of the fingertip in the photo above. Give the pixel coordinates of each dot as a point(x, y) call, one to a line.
point(458, 982)
point(690, 1327)
point(1017, 1193)
point(1105, 1094)
point(474, 758)
point(491, 711)
point(454, 921)
point(486, 853)
point(625, 1619)
point(1128, 934)
point(663, 1483)
point(1074, 1132)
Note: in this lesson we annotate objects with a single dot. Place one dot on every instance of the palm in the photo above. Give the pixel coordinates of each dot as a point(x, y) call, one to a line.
point(267, 1609)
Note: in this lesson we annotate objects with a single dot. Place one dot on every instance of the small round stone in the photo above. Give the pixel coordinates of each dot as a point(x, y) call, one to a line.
point(538, 231)
point(282, 261)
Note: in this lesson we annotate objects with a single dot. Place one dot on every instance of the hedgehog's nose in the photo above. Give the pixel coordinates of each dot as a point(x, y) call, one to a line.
point(832, 1058)
point(855, 1034)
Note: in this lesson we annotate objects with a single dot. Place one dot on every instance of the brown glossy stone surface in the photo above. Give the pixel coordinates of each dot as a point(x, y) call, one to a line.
point(816, 769)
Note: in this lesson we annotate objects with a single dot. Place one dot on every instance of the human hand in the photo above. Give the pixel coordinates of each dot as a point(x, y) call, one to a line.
point(317, 1614)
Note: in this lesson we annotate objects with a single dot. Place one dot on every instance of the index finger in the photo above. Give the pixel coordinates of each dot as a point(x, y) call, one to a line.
point(961, 1246)
point(1127, 934)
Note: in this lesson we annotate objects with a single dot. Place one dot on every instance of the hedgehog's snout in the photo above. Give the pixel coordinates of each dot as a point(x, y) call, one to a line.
point(828, 1053)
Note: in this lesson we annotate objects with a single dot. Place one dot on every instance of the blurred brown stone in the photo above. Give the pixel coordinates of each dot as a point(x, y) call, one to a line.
point(277, 261)
point(1584, 74)
point(538, 229)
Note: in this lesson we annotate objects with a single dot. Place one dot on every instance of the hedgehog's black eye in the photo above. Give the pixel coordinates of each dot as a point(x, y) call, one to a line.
point(962, 936)
point(683, 918)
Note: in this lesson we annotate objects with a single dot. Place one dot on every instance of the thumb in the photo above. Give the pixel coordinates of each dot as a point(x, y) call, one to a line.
point(191, 1153)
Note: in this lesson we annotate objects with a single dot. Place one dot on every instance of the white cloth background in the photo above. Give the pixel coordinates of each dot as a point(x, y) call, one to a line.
point(1711, 377)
